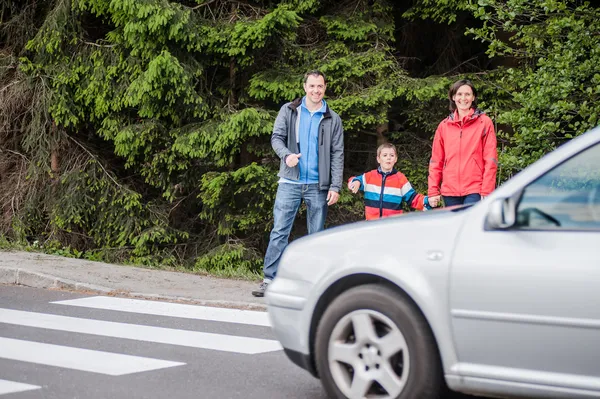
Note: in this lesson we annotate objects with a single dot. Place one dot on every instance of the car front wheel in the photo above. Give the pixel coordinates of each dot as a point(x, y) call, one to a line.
point(373, 343)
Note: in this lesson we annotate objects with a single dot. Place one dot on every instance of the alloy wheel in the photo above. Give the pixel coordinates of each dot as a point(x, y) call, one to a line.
point(368, 356)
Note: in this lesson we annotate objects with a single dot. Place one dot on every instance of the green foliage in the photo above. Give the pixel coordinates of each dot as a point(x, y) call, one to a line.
point(54, 247)
point(425, 102)
point(275, 85)
point(112, 215)
point(236, 201)
point(6, 244)
point(163, 91)
point(303, 6)
point(357, 28)
point(555, 87)
point(231, 260)
point(437, 10)
point(222, 138)
point(138, 130)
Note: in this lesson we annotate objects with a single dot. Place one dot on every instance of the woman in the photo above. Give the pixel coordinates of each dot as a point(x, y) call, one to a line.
point(464, 157)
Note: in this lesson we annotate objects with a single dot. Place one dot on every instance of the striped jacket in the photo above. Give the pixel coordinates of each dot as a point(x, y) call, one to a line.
point(385, 192)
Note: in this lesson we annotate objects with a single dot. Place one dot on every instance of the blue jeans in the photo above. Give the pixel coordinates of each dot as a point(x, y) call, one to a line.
point(287, 201)
point(465, 199)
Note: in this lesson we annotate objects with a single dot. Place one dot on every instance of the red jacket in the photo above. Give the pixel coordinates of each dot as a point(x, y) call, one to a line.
point(464, 158)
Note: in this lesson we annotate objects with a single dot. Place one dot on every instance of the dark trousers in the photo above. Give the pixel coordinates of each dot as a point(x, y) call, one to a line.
point(465, 199)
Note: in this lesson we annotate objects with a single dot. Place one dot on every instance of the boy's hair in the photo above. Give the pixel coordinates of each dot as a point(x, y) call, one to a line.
point(386, 145)
point(314, 72)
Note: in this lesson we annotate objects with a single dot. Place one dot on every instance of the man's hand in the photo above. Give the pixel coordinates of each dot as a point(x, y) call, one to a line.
point(292, 160)
point(354, 186)
point(332, 197)
point(434, 201)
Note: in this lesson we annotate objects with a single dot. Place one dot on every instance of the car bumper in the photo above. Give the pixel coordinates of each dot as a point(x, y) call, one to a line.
point(289, 330)
point(290, 319)
point(302, 360)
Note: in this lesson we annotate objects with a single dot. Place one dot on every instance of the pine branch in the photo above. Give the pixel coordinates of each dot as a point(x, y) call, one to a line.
point(95, 159)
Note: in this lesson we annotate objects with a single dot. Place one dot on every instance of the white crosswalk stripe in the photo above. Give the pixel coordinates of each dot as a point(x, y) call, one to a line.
point(193, 339)
point(78, 359)
point(109, 363)
point(7, 387)
point(171, 309)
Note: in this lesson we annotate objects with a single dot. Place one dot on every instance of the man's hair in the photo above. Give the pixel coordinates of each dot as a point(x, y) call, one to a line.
point(454, 88)
point(386, 145)
point(314, 72)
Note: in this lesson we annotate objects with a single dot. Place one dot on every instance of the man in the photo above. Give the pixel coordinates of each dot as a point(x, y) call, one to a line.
point(309, 139)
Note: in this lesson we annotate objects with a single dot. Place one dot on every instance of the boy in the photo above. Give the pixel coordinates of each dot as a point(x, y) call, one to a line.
point(386, 188)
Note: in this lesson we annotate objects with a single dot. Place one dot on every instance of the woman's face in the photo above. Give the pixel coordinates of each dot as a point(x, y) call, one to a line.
point(463, 98)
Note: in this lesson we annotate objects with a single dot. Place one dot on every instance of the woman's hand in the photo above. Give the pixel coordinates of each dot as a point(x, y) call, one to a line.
point(434, 201)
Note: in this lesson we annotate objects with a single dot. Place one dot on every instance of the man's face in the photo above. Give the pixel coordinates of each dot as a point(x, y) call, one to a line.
point(315, 89)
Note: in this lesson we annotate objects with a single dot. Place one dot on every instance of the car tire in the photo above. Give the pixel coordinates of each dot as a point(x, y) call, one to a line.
point(356, 342)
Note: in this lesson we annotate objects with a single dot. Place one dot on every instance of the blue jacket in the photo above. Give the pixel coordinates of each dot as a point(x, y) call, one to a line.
point(308, 141)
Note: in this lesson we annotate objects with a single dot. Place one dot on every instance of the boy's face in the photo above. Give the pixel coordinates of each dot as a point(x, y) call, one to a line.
point(387, 159)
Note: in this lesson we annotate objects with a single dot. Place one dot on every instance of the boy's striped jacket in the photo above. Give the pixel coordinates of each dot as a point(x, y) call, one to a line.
point(385, 192)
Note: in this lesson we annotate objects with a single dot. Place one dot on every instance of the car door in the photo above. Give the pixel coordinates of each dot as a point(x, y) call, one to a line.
point(525, 301)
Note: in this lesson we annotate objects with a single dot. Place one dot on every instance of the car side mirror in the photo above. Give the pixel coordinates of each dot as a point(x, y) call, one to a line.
point(501, 214)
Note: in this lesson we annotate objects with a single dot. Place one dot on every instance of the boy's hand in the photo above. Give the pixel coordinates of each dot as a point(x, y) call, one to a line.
point(354, 186)
point(434, 201)
point(292, 160)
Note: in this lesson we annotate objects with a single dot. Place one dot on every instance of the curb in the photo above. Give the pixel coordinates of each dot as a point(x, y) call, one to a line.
point(16, 276)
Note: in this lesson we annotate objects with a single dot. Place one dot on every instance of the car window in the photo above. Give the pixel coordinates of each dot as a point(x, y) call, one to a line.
point(566, 198)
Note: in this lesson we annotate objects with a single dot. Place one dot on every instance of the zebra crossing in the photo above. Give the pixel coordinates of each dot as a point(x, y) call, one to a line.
point(109, 363)
point(7, 387)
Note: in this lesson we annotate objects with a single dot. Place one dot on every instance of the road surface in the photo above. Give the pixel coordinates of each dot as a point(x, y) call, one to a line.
point(57, 344)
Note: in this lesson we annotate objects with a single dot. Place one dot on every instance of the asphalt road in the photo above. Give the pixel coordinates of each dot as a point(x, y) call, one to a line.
point(104, 347)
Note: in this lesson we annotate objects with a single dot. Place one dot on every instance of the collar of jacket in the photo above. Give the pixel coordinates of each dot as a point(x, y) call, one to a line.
point(297, 102)
point(476, 114)
point(391, 172)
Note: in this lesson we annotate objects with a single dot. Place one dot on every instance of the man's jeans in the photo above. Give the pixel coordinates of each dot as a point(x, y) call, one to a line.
point(465, 199)
point(288, 199)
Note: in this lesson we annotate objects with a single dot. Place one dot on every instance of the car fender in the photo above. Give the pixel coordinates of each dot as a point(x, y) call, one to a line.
point(429, 297)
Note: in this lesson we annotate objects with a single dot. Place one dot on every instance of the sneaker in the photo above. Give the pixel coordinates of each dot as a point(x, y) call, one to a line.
point(261, 289)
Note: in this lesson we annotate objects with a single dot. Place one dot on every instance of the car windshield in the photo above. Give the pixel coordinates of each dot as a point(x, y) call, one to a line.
point(567, 197)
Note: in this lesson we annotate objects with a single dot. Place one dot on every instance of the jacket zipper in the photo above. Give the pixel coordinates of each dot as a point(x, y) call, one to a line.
point(322, 130)
point(293, 136)
point(383, 179)
point(308, 145)
point(460, 157)
point(460, 151)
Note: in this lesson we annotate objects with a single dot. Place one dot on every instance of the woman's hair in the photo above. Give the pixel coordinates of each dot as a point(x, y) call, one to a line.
point(454, 88)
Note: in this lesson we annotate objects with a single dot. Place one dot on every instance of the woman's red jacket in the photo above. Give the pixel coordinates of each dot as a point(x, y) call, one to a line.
point(464, 158)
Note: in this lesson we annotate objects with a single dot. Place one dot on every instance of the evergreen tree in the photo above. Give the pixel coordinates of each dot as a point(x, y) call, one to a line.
point(139, 130)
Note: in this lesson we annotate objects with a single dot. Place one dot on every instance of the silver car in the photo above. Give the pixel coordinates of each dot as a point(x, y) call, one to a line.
point(501, 298)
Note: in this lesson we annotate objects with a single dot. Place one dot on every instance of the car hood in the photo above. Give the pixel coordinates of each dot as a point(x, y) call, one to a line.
point(362, 246)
